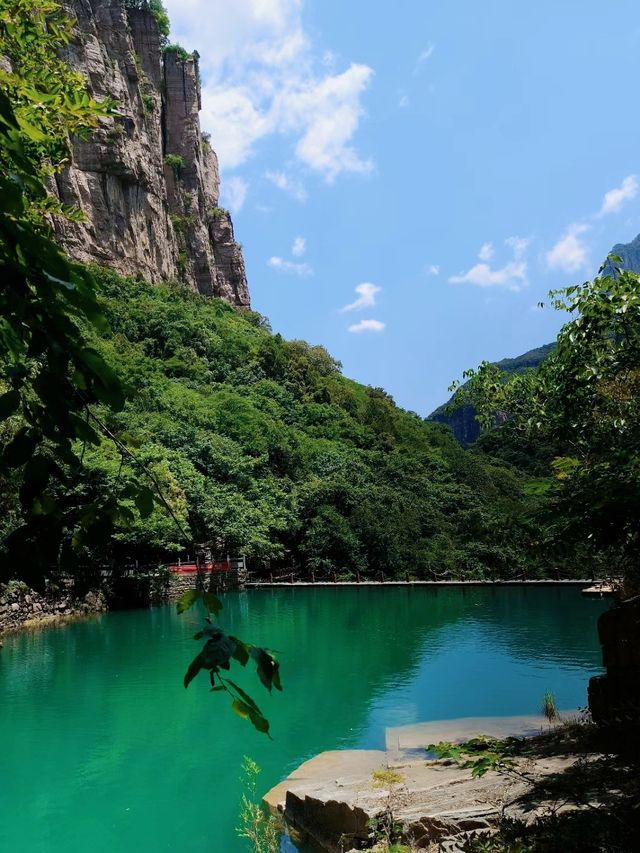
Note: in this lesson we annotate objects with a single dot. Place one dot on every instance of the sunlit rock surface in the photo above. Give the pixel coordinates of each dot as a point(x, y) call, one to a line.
point(142, 216)
point(332, 798)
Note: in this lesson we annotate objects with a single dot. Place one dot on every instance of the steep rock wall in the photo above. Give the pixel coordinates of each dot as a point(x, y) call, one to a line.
point(144, 217)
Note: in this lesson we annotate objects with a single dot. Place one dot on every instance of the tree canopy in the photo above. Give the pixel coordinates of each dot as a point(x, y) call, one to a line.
point(582, 406)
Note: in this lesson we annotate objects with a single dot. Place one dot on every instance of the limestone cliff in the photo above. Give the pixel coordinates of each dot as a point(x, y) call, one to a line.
point(147, 180)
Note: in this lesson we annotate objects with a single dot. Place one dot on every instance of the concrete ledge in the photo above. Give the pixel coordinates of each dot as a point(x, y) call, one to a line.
point(438, 584)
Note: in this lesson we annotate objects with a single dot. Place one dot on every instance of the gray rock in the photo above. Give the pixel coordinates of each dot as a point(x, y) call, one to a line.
point(331, 798)
point(141, 217)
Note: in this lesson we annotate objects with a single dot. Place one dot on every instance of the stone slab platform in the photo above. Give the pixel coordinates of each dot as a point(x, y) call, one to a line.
point(332, 797)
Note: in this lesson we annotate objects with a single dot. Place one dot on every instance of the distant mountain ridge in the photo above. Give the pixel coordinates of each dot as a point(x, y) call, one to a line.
point(463, 423)
point(629, 254)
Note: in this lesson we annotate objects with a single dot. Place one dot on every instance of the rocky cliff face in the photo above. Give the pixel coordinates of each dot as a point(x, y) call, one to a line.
point(147, 180)
point(629, 254)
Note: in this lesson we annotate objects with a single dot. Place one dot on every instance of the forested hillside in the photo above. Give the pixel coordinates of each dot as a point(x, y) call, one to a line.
point(139, 419)
point(264, 446)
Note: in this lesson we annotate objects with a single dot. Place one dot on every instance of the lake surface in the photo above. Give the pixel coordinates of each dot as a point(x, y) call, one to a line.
point(101, 747)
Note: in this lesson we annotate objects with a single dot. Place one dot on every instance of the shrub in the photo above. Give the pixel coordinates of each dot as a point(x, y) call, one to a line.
point(181, 224)
point(261, 829)
point(148, 102)
point(218, 213)
point(178, 51)
point(157, 9)
point(176, 163)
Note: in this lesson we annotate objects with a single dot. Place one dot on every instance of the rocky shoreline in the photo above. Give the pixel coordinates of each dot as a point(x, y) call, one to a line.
point(21, 608)
point(334, 799)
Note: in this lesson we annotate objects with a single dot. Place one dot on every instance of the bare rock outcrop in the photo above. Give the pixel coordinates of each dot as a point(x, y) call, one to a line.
point(614, 698)
point(337, 799)
point(146, 180)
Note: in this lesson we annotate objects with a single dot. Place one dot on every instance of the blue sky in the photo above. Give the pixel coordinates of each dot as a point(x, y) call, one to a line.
point(408, 180)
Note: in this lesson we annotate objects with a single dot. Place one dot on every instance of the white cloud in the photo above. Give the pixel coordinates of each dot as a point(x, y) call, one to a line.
point(263, 76)
point(570, 253)
point(403, 101)
point(287, 184)
point(366, 297)
point(432, 269)
point(511, 276)
point(327, 113)
point(518, 245)
point(425, 55)
point(486, 252)
point(367, 326)
point(234, 193)
point(615, 198)
point(299, 247)
point(230, 116)
point(282, 265)
point(329, 59)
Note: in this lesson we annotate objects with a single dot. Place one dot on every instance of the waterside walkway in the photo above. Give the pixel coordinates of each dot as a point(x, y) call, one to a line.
point(436, 584)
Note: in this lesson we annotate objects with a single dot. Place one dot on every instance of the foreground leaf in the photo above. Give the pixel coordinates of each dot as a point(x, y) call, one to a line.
point(187, 600)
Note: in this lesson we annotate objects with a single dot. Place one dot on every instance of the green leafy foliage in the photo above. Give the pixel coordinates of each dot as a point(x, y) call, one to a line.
point(262, 445)
point(480, 754)
point(49, 374)
point(218, 213)
point(581, 407)
point(218, 652)
point(49, 101)
point(177, 50)
point(175, 162)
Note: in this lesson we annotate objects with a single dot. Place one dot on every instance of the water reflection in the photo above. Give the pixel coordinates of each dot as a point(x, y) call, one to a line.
point(100, 740)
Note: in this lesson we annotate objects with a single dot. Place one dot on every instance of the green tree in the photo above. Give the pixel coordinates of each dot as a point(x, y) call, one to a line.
point(583, 404)
point(58, 390)
point(50, 375)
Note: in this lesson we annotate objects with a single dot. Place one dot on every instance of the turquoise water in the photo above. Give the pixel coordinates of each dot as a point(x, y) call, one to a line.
point(102, 749)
